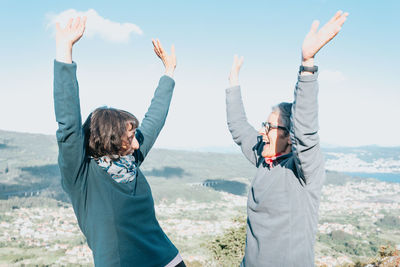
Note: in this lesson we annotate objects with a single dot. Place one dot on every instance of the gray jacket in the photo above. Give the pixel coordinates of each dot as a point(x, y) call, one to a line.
point(283, 201)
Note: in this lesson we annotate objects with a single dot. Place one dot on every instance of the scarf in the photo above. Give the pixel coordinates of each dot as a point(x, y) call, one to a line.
point(122, 170)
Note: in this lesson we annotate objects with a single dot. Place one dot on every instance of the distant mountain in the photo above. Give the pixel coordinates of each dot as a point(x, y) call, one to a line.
point(28, 165)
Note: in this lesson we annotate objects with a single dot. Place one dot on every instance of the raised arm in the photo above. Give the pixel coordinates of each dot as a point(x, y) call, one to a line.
point(304, 132)
point(154, 118)
point(242, 132)
point(66, 102)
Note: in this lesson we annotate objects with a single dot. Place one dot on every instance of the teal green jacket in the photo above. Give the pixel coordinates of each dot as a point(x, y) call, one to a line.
point(118, 220)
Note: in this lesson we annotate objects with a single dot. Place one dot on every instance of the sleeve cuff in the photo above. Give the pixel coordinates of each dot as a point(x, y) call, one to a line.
point(167, 78)
point(167, 81)
point(64, 64)
point(232, 89)
point(64, 72)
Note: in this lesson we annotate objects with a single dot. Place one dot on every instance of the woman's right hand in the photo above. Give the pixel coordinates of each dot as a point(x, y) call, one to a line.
point(318, 38)
point(169, 61)
point(67, 37)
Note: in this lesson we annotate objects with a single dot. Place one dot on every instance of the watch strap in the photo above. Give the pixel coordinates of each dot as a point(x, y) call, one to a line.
point(312, 69)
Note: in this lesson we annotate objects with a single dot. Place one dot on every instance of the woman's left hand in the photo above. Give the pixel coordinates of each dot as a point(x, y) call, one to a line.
point(67, 36)
point(169, 61)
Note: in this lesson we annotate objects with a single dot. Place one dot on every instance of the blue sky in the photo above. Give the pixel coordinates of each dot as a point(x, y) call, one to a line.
point(359, 93)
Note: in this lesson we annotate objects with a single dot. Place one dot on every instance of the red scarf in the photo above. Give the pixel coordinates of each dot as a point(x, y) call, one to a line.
point(270, 160)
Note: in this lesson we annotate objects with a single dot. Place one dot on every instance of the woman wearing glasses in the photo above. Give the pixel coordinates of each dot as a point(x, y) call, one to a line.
point(283, 200)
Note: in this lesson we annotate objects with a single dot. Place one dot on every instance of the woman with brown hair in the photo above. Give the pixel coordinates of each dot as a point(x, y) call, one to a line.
point(99, 164)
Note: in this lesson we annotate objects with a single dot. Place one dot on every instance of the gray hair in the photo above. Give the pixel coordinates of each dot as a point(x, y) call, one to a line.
point(284, 110)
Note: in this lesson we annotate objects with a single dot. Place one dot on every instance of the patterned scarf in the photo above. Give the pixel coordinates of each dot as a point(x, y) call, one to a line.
point(122, 170)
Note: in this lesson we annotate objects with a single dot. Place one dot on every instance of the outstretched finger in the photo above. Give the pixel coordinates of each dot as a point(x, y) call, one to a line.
point(83, 22)
point(336, 16)
point(82, 25)
point(77, 23)
point(342, 19)
point(160, 47)
point(157, 52)
point(235, 62)
point(314, 26)
point(240, 61)
point(173, 50)
point(155, 45)
point(69, 24)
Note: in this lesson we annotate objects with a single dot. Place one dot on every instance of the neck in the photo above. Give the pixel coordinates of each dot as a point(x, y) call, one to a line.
point(287, 150)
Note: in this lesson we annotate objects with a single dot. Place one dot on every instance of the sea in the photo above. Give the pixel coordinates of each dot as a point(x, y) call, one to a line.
point(385, 177)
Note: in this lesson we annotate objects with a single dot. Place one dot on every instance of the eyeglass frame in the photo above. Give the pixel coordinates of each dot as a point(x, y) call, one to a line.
point(268, 126)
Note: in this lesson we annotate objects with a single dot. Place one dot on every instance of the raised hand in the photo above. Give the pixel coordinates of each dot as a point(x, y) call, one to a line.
point(316, 39)
point(169, 61)
point(234, 75)
point(67, 37)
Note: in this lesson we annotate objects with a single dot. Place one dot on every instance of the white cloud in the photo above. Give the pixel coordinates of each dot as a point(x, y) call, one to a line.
point(96, 25)
point(331, 76)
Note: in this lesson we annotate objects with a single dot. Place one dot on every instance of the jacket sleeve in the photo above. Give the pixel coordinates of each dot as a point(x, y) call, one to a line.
point(154, 118)
point(304, 130)
point(70, 137)
point(242, 132)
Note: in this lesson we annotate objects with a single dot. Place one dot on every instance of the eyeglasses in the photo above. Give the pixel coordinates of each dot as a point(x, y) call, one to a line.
point(268, 126)
point(130, 138)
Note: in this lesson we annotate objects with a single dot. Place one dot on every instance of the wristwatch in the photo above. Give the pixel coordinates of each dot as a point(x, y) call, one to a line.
point(310, 69)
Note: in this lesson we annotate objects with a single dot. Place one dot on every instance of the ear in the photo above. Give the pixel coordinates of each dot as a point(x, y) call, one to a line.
point(289, 140)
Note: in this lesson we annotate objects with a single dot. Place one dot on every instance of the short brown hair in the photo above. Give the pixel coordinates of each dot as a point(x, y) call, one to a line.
point(105, 129)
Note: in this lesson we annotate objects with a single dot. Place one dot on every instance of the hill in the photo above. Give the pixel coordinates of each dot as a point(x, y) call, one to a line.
point(28, 166)
point(199, 196)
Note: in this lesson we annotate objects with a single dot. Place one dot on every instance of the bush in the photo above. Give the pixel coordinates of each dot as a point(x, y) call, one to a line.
point(228, 248)
point(389, 221)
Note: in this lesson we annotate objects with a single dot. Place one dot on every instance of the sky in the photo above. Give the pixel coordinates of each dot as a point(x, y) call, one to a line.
point(359, 89)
